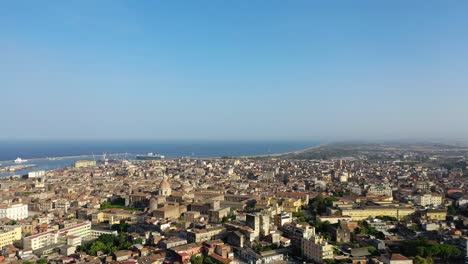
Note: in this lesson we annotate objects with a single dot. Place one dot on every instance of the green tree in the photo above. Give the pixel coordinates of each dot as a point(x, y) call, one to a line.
point(421, 247)
point(42, 261)
point(107, 239)
point(318, 205)
point(208, 260)
point(421, 260)
point(322, 227)
point(97, 247)
point(386, 218)
point(452, 210)
point(121, 227)
point(107, 244)
point(196, 259)
point(372, 250)
point(122, 241)
point(448, 251)
point(138, 241)
point(301, 216)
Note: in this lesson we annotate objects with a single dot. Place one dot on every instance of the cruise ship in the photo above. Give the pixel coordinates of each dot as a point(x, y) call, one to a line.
point(150, 156)
point(20, 160)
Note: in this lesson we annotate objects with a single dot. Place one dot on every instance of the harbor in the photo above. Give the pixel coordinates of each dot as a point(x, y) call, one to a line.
point(13, 168)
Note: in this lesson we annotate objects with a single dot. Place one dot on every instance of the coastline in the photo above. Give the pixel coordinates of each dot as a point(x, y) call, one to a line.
point(286, 153)
point(65, 157)
point(263, 155)
point(197, 149)
point(54, 162)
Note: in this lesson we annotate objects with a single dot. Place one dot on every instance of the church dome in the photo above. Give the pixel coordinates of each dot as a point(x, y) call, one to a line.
point(164, 185)
point(164, 188)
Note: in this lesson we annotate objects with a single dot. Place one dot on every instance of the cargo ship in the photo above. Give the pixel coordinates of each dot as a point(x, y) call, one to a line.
point(150, 156)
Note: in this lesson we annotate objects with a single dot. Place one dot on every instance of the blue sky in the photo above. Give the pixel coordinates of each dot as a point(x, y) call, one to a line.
point(233, 69)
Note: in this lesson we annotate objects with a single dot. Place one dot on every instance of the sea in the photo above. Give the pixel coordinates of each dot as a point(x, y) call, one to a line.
point(52, 155)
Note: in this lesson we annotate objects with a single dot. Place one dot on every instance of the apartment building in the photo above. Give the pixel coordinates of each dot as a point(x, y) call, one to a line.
point(9, 234)
point(201, 235)
point(428, 199)
point(317, 249)
point(379, 190)
point(298, 231)
point(85, 163)
point(96, 233)
point(14, 211)
point(37, 241)
point(365, 212)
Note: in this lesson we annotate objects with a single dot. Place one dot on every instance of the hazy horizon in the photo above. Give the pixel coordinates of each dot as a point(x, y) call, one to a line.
point(243, 70)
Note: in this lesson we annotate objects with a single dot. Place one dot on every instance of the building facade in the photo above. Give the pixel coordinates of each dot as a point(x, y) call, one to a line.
point(14, 211)
point(428, 199)
point(9, 234)
point(363, 213)
point(317, 249)
point(37, 241)
point(85, 163)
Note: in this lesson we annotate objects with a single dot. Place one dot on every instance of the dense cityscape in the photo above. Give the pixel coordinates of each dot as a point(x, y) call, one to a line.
point(233, 132)
point(358, 203)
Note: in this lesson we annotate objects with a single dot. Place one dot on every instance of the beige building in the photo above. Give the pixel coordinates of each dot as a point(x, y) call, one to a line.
point(292, 205)
point(9, 234)
point(317, 249)
point(201, 235)
point(333, 219)
point(169, 211)
point(216, 216)
point(362, 213)
point(191, 216)
point(113, 216)
point(435, 214)
point(85, 163)
point(428, 199)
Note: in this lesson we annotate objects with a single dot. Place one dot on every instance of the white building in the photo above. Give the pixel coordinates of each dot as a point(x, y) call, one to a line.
point(37, 241)
point(36, 174)
point(14, 211)
point(379, 190)
point(96, 233)
point(462, 202)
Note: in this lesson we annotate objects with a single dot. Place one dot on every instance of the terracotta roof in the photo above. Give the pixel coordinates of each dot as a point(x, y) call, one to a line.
point(398, 257)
